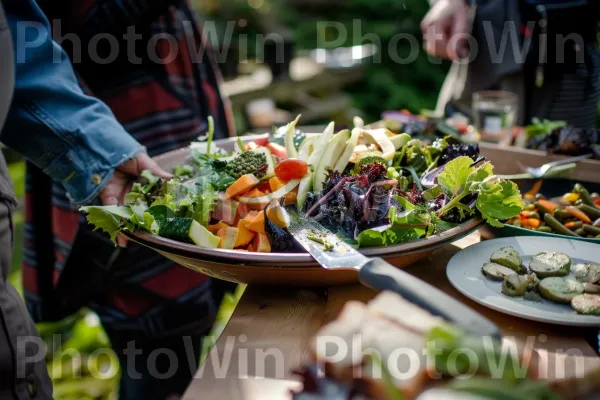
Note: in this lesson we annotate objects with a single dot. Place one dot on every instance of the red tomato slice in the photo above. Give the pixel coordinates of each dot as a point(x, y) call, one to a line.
point(291, 168)
point(277, 150)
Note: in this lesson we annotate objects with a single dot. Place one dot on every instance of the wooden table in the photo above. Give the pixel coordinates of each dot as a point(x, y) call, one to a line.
point(269, 331)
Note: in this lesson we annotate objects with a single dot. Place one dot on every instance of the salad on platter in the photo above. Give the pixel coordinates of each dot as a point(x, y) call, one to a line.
point(371, 186)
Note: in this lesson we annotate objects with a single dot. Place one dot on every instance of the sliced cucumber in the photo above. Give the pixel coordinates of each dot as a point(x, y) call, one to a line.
point(304, 187)
point(290, 131)
point(591, 288)
point(306, 148)
point(588, 304)
point(518, 285)
point(279, 193)
point(320, 144)
point(400, 140)
point(344, 159)
point(496, 272)
point(560, 290)
point(508, 257)
point(580, 270)
point(593, 275)
point(549, 263)
point(330, 156)
point(188, 230)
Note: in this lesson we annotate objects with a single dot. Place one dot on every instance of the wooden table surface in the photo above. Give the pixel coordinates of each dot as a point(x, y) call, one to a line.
point(269, 332)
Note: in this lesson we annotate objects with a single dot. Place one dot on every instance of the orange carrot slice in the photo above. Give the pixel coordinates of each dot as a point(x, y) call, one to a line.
point(243, 184)
point(577, 213)
point(548, 205)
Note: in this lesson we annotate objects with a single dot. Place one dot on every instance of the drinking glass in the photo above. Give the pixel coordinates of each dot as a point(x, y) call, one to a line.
point(494, 114)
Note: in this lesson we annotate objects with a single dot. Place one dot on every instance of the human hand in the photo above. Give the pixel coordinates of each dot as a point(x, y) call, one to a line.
point(444, 29)
point(122, 180)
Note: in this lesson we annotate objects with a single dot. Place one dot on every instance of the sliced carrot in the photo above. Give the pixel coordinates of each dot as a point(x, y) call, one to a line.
point(535, 189)
point(255, 221)
point(253, 193)
point(275, 183)
point(244, 235)
point(548, 205)
point(577, 213)
point(525, 213)
point(243, 184)
point(571, 225)
point(218, 226)
point(290, 197)
point(597, 202)
point(533, 222)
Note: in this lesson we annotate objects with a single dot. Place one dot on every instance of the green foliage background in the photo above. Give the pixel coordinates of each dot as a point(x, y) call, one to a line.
point(387, 85)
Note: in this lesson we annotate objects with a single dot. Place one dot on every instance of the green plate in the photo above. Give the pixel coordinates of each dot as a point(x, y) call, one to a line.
point(550, 188)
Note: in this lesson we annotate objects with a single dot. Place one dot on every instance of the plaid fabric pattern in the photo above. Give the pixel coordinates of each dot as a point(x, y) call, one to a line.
point(165, 107)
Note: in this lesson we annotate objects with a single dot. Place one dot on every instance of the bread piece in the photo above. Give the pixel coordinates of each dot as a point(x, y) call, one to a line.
point(341, 346)
point(332, 345)
point(401, 353)
point(402, 312)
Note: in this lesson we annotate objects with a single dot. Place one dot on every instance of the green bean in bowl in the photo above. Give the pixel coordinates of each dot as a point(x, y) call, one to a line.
point(575, 213)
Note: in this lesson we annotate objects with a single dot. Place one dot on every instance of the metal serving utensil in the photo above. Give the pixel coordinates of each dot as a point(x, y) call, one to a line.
point(541, 171)
point(333, 254)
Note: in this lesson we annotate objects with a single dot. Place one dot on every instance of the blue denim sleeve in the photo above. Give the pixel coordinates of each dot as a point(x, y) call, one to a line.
point(72, 137)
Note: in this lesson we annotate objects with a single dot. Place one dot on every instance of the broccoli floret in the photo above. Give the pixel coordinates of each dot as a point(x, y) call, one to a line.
point(368, 160)
point(248, 163)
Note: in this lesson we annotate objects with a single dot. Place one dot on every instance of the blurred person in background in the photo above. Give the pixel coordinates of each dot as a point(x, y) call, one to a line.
point(162, 95)
point(558, 78)
point(70, 136)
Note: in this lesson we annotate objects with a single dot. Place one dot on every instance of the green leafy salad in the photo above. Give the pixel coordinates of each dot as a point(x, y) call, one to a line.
point(371, 186)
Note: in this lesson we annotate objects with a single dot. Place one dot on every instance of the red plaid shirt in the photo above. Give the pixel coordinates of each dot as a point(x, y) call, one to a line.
point(164, 106)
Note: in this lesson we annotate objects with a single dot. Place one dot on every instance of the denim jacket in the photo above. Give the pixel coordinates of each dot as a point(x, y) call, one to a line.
point(72, 137)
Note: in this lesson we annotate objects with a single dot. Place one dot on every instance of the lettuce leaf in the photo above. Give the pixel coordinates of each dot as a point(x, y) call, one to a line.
point(107, 218)
point(405, 226)
point(499, 201)
point(496, 199)
point(454, 176)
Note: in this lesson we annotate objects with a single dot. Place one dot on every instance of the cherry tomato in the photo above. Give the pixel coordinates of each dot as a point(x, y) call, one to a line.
point(291, 168)
point(277, 150)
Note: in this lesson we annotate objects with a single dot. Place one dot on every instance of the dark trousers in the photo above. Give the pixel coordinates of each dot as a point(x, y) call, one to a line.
point(154, 369)
point(23, 373)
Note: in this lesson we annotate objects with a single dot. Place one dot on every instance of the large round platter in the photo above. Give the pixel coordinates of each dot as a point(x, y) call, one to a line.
point(298, 269)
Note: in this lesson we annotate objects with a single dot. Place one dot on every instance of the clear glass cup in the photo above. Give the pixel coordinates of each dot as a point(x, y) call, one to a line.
point(494, 114)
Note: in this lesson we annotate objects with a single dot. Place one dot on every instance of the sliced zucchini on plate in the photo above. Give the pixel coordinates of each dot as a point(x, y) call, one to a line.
point(496, 272)
point(518, 285)
point(560, 290)
point(508, 257)
point(588, 304)
point(549, 263)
